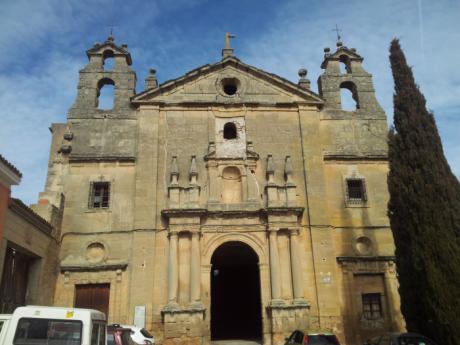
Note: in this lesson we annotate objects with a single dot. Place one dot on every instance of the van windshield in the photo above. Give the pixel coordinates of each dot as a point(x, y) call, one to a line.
point(47, 331)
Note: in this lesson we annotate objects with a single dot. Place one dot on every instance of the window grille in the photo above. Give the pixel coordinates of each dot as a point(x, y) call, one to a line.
point(372, 306)
point(356, 191)
point(99, 195)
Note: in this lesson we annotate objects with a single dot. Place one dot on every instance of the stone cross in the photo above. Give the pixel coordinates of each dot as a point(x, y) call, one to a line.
point(227, 40)
point(227, 51)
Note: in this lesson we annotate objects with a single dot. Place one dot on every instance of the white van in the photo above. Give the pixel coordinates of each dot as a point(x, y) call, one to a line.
point(36, 325)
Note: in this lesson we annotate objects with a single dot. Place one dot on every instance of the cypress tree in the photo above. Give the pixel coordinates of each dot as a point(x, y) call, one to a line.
point(424, 212)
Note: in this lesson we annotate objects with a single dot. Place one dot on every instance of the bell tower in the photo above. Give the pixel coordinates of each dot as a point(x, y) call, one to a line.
point(108, 66)
point(352, 77)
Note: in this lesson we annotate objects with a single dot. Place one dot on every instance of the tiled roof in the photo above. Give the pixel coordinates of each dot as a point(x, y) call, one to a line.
point(10, 166)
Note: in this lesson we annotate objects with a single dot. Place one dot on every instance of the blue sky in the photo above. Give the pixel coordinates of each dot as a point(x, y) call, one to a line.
point(44, 42)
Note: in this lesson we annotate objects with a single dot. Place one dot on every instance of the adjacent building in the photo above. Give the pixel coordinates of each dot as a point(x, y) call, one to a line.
point(28, 248)
point(226, 203)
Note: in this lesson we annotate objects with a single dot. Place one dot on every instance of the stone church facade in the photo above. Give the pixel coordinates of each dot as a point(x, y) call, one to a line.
point(226, 203)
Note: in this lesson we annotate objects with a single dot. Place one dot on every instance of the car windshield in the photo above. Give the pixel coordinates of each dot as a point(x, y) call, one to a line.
point(322, 339)
point(45, 331)
point(145, 333)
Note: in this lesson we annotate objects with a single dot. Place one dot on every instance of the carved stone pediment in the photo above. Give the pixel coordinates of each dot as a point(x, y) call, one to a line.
point(207, 85)
point(109, 45)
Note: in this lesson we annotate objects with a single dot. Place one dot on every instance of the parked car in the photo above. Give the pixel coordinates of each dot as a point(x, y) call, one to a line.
point(312, 338)
point(400, 339)
point(119, 335)
point(140, 335)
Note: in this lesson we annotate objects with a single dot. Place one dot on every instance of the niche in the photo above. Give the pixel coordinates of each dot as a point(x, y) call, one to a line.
point(231, 185)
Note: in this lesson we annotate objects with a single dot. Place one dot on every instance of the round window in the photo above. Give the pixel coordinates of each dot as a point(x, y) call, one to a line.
point(230, 86)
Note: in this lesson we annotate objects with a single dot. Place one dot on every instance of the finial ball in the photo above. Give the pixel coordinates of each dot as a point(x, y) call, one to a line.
point(327, 50)
point(302, 73)
point(152, 71)
point(339, 44)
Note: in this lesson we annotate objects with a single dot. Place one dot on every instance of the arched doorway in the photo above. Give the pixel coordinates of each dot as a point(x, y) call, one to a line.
point(236, 311)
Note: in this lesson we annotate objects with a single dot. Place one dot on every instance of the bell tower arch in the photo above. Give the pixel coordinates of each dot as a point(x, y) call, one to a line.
point(344, 72)
point(109, 66)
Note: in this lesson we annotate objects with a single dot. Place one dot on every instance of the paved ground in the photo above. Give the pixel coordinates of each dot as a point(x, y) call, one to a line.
point(235, 342)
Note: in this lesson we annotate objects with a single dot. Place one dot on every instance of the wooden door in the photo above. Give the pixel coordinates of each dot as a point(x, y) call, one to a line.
point(14, 280)
point(93, 296)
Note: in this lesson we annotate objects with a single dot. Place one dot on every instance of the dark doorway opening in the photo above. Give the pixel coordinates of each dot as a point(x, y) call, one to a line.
point(93, 296)
point(14, 280)
point(236, 311)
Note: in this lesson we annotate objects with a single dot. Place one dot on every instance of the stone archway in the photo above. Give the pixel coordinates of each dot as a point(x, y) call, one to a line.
point(236, 311)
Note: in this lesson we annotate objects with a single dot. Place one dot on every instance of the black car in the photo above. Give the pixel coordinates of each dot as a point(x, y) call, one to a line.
point(312, 338)
point(400, 339)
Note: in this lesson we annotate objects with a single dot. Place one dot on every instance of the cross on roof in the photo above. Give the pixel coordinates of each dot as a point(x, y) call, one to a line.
point(111, 27)
point(337, 30)
point(227, 40)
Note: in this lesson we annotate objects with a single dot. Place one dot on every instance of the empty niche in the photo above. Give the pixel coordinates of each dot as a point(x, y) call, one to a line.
point(363, 245)
point(231, 185)
point(95, 252)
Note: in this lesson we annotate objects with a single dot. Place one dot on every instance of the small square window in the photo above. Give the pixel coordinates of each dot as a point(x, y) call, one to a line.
point(230, 131)
point(356, 191)
point(99, 195)
point(372, 306)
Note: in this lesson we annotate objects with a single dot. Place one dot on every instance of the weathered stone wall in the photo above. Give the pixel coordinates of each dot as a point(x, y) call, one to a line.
point(79, 217)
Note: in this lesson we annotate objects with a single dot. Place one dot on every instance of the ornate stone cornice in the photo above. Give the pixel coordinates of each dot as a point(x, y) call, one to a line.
point(94, 267)
point(328, 156)
point(233, 212)
point(183, 212)
point(284, 209)
point(98, 158)
point(341, 259)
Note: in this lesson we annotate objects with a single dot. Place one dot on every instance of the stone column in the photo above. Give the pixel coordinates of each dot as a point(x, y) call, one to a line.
point(275, 267)
point(195, 277)
point(173, 269)
point(295, 266)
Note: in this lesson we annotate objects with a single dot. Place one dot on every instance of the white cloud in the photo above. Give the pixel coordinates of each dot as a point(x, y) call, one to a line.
point(30, 101)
